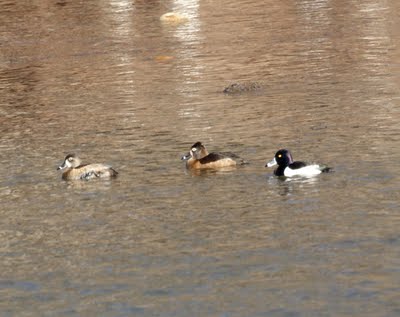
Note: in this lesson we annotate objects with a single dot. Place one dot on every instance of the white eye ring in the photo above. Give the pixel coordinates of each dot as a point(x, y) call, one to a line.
point(194, 149)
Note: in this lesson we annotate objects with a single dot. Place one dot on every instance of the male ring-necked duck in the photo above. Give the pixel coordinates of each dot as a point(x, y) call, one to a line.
point(199, 158)
point(75, 170)
point(289, 168)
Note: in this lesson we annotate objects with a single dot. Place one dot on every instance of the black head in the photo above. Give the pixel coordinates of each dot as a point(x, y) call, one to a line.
point(283, 157)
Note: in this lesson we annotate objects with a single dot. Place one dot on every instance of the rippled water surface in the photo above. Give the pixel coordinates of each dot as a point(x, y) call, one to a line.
point(111, 82)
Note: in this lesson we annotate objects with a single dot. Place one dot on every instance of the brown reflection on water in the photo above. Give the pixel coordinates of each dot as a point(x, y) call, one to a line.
point(109, 81)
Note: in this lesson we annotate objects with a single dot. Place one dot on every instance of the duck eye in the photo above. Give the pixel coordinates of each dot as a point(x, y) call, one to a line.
point(70, 159)
point(279, 155)
point(194, 149)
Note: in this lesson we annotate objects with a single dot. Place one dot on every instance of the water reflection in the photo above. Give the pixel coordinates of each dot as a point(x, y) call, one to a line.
point(187, 38)
point(285, 186)
point(121, 26)
point(93, 187)
point(208, 172)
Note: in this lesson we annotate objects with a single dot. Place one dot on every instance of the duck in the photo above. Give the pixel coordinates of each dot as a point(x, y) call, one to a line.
point(289, 168)
point(238, 88)
point(199, 158)
point(75, 170)
point(173, 18)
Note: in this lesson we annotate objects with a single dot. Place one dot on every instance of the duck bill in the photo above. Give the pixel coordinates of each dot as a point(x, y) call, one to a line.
point(62, 166)
point(186, 157)
point(271, 163)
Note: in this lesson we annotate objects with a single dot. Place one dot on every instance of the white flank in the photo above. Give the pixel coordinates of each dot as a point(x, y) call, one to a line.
point(309, 170)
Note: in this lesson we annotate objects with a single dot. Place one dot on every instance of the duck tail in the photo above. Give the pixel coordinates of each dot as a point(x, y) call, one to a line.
point(114, 173)
point(326, 169)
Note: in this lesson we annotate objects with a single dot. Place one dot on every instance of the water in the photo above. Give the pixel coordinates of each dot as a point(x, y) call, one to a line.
point(110, 82)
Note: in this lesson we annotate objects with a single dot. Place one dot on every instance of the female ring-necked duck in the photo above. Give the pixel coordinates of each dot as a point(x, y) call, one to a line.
point(199, 158)
point(75, 170)
point(289, 168)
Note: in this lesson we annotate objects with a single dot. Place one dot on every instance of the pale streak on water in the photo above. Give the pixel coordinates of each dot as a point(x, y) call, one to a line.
point(109, 81)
